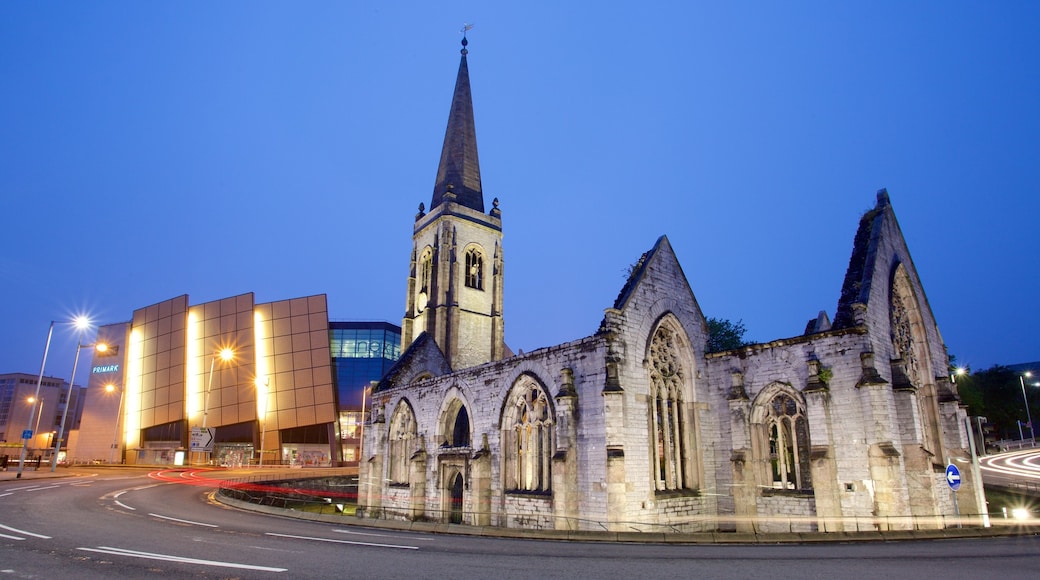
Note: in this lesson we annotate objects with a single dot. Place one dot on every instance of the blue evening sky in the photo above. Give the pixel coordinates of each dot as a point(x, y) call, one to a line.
point(152, 149)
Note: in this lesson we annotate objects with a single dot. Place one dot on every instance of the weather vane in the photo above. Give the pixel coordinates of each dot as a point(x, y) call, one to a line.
point(466, 27)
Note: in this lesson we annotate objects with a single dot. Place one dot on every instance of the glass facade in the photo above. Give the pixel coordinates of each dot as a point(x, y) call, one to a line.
point(362, 352)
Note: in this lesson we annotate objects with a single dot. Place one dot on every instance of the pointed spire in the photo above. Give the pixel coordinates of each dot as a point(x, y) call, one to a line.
point(458, 174)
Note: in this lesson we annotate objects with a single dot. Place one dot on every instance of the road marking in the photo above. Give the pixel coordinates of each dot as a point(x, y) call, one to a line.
point(11, 537)
point(43, 488)
point(384, 535)
point(23, 532)
point(124, 506)
point(343, 541)
point(5, 494)
point(167, 558)
point(183, 521)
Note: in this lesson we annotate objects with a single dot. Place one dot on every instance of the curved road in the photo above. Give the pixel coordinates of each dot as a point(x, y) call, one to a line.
point(1013, 469)
point(129, 523)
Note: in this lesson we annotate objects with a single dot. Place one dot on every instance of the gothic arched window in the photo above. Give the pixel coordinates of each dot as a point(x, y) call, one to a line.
point(402, 442)
point(527, 435)
point(673, 461)
point(782, 431)
point(474, 269)
point(425, 268)
point(911, 362)
point(455, 425)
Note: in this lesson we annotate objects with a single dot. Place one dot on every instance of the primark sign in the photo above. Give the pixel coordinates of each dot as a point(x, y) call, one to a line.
point(102, 369)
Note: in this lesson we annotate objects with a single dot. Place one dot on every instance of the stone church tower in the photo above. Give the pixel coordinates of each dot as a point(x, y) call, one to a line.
point(455, 278)
point(841, 427)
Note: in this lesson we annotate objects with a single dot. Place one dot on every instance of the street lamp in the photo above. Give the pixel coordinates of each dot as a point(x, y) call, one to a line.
point(1029, 419)
point(36, 429)
point(81, 322)
point(263, 426)
point(100, 347)
point(39, 382)
point(109, 388)
point(226, 355)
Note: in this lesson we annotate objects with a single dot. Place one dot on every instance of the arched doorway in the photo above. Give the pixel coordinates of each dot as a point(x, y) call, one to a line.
point(455, 511)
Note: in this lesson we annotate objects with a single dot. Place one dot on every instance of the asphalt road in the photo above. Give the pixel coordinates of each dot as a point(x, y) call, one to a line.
point(126, 524)
point(1014, 469)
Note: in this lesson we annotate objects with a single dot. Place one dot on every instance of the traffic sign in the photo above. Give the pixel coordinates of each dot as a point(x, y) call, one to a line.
point(202, 439)
point(27, 434)
point(953, 477)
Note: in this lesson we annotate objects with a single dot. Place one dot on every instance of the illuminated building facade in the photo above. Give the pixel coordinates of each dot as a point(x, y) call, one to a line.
point(44, 420)
point(226, 382)
point(362, 352)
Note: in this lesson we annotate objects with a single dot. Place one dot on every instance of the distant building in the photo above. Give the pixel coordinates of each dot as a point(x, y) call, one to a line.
point(362, 352)
point(156, 394)
point(16, 406)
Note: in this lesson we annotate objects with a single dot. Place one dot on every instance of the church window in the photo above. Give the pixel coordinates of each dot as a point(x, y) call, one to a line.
point(671, 435)
point(782, 430)
point(456, 427)
point(474, 270)
point(460, 432)
point(425, 267)
point(912, 361)
point(528, 446)
point(402, 442)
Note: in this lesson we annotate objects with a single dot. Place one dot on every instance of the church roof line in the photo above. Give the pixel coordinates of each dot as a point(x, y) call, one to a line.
point(458, 173)
point(856, 287)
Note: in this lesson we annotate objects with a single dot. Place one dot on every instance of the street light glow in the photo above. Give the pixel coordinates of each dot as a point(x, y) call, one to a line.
point(226, 354)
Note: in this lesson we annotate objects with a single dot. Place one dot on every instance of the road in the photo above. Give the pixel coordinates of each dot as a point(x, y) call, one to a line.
point(1014, 469)
point(128, 524)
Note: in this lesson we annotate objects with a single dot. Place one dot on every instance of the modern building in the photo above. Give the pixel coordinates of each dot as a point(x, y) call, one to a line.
point(226, 382)
point(19, 412)
point(841, 426)
point(362, 352)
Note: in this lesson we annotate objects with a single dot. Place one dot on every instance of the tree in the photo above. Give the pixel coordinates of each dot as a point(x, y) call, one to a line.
point(996, 394)
point(725, 334)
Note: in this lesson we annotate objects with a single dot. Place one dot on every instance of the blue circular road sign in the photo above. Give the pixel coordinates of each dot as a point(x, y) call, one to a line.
point(953, 477)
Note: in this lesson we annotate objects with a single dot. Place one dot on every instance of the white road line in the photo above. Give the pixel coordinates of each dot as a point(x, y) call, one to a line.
point(5, 494)
point(384, 535)
point(43, 488)
point(124, 506)
point(183, 521)
point(342, 541)
point(167, 558)
point(23, 532)
point(11, 537)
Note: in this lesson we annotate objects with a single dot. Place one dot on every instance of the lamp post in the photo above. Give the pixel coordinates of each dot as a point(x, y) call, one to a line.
point(119, 419)
point(39, 414)
point(263, 426)
point(101, 347)
point(364, 401)
point(1029, 419)
point(225, 354)
point(39, 382)
point(81, 322)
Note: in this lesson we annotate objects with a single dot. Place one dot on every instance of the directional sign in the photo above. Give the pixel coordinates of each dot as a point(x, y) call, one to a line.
point(953, 477)
point(27, 434)
point(202, 439)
